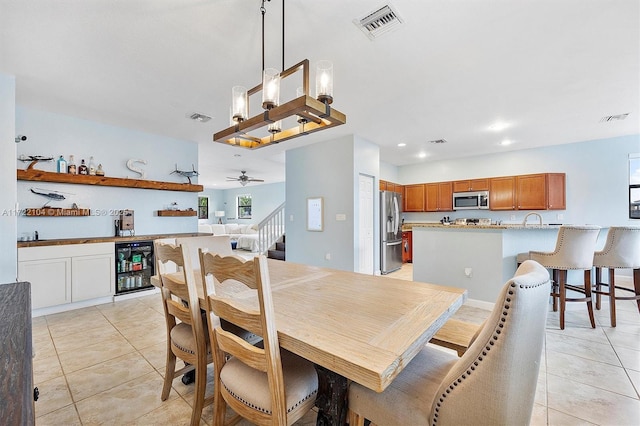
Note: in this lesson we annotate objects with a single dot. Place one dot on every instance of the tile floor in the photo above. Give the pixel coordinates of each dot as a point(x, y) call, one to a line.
point(104, 365)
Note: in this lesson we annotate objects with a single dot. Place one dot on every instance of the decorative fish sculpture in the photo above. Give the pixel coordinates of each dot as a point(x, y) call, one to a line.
point(188, 174)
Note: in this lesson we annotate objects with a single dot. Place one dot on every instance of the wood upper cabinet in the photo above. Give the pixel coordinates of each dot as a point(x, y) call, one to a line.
point(471, 185)
point(502, 193)
point(543, 191)
point(390, 186)
point(439, 197)
point(414, 198)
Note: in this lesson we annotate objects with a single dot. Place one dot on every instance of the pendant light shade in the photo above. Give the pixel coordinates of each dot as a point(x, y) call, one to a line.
point(240, 104)
point(270, 88)
point(324, 81)
point(275, 127)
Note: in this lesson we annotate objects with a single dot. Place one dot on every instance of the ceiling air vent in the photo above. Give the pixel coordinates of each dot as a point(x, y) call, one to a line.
point(196, 116)
point(439, 141)
point(379, 22)
point(613, 118)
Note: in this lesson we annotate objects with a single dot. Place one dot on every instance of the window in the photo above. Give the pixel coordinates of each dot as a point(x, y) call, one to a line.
point(244, 206)
point(634, 186)
point(203, 207)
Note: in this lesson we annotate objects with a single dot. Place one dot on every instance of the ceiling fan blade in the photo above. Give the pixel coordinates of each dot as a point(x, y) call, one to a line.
point(255, 180)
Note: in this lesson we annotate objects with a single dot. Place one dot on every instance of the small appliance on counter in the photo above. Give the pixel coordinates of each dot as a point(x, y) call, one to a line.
point(124, 225)
point(473, 221)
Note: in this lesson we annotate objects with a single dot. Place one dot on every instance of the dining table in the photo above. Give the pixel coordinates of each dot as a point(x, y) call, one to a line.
point(352, 326)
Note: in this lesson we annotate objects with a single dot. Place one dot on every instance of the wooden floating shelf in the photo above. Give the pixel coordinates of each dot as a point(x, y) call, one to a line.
point(176, 213)
point(42, 176)
point(57, 211)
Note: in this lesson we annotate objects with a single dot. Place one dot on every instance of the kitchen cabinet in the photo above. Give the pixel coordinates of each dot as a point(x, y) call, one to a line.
point(50, 280)
point(390, 186)
point(92, 276)
point(471, 185)
point(407, 246)
point(542, 191)
point(414, 198)
point(502, 193)
point(439, 197)
point(61, 274)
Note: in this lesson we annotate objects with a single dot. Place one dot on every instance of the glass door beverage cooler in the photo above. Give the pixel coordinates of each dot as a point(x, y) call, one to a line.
point(134, 266)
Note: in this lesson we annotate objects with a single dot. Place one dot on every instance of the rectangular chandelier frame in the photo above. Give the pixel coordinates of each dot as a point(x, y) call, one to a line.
point(318, 116)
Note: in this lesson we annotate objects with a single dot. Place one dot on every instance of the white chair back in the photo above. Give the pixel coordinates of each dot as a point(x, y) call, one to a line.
point(494, 382)
point(574, 249)
point(621, 250)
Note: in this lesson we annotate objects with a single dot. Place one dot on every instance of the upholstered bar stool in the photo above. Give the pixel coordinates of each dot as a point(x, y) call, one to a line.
point(574, 251)
point(621, 250)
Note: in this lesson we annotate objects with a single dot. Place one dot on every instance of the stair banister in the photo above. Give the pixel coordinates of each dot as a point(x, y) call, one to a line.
point(270, 229)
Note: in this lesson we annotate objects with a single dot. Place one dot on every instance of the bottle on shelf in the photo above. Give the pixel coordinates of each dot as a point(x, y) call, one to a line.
point(99, 170)
point(61, 165)
point(71, 167)
point(92, 167)
point(83, 169)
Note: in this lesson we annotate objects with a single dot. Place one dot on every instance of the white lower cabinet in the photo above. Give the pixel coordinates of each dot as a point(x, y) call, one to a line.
point(67, 273)
point(92, 276)
point(50, 281)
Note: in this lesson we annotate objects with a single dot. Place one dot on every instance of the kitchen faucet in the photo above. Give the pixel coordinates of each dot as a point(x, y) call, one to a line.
point(524, 222)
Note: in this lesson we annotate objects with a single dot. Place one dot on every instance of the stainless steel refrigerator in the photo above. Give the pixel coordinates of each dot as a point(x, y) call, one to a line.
point(390, 231)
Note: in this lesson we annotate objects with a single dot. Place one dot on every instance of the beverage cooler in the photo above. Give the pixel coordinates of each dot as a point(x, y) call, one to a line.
point(134, 266)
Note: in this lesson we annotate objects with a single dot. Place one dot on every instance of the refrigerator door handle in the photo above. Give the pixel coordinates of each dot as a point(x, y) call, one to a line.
point(395, 243)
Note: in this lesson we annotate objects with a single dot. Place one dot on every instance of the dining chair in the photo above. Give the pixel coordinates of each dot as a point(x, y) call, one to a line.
point(220, 244)
point(494, 381)
point(186, 335)
point(621, 250)
point(263, 384)
point(574, 250)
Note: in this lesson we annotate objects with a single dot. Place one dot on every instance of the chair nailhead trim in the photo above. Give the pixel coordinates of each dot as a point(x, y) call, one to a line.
point(264, 410)
point(478, 360)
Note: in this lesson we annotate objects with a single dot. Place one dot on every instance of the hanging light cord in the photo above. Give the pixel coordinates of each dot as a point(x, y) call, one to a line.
point(263, 11)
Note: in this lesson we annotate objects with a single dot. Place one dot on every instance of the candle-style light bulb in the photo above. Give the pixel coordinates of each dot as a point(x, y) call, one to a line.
point(324, 81)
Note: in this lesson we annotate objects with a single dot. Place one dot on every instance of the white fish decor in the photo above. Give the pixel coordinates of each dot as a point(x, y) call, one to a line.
point(133, 168)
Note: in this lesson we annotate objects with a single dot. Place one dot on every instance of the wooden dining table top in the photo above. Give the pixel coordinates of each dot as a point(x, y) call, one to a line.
point(366, 328)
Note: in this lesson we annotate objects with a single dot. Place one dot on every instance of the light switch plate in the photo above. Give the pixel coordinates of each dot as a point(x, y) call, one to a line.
point(341, 217)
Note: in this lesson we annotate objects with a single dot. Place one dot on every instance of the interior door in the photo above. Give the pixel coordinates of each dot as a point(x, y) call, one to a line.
point(366, 224)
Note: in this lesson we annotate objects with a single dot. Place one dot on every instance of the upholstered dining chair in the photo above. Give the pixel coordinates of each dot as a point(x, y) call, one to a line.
point(621, 250)
point(265, 385)
point(494, 381)
point(574, 251)
point(187, 338)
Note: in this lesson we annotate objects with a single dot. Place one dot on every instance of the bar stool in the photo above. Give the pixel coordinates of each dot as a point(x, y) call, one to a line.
point(574, 251)
point(621, 250)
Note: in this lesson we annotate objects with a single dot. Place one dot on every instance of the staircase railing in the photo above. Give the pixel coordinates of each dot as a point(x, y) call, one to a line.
point(271, 229)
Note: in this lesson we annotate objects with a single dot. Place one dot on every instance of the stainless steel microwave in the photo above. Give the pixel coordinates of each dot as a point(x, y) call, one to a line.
point(474, 200)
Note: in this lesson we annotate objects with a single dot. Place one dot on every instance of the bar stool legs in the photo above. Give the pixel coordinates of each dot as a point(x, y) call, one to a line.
point(559, 292)
point(612, 291)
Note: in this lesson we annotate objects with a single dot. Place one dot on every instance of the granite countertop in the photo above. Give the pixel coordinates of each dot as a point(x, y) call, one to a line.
point(410, 226)
point(89, 240)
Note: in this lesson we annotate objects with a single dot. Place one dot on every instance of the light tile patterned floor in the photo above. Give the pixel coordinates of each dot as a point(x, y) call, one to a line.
point(104, 365)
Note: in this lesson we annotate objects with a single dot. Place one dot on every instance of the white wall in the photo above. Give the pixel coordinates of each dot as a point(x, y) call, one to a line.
point(330, 170)
point(367, 163)
point(8, 251)
point(54, 134)
point(597, 175)
point(324, 169)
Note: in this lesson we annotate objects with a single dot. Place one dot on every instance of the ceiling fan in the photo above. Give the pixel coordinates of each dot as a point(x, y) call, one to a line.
point(244, 179)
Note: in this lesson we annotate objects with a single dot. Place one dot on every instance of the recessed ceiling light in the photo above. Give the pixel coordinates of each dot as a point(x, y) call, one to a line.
point(498, 126)
point(402, 144)
point(506, 142)
point(422, 155)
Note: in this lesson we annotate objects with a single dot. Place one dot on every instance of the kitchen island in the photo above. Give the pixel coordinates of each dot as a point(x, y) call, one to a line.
point(479, 258)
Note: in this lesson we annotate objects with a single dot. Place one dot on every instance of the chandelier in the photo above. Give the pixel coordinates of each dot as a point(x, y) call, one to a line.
point(306, 114)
